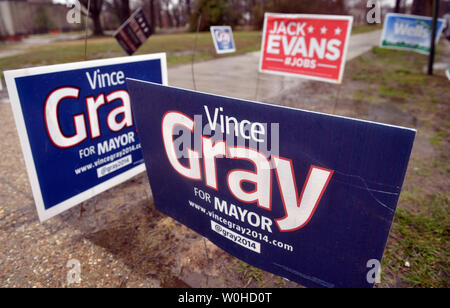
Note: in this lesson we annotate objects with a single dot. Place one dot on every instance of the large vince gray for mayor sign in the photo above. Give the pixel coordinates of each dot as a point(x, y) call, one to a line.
point(305, 195)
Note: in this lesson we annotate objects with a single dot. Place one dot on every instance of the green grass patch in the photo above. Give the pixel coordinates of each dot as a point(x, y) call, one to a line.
point(422, 240)
point(250, 274)
point(437, 139)
point(179, 48)
point(393, 92)
point(364, 28)
point(397, 77)
point(442, 165)
point(413, 196)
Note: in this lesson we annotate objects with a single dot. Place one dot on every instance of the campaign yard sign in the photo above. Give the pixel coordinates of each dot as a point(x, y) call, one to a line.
point(223, 39)
point(133, 32)
point(409, 32)
point(307, 196)
point(76, 127)
point(307, 46)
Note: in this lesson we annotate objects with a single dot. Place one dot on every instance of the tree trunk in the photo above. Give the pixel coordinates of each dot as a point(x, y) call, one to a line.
point(188, 8)
point(176, 17)
point(397, 6)
point(152, 15)
point(159, 15)
point(122, 9)
point(98, 30)
point(422, 7)
point(95, 10)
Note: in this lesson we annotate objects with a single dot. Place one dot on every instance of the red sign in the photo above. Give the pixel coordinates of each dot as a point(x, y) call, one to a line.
point(306, 46)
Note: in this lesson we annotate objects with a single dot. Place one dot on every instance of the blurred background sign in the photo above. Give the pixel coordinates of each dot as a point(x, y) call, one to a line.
point(133, 32)
point(223, 39)
point(410, 32)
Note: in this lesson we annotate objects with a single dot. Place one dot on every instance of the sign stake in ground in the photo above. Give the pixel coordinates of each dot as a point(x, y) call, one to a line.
point(257, 85)
point(433, 37)
point(336, 99)
point(199, 20)
point(86, 30)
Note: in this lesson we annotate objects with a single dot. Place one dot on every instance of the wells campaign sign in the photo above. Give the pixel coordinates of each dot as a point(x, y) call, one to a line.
point(223, 39)
point(304, 195)
point(307, 46)
point(76, 128)
point(409, 32)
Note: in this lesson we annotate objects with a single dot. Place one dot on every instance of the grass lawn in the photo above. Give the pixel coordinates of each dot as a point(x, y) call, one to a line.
point(364, 28)
point(179, 49)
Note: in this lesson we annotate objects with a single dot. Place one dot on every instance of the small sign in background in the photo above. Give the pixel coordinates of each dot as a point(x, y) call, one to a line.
point(409, 32)
point(223, 39)
point(133, 32)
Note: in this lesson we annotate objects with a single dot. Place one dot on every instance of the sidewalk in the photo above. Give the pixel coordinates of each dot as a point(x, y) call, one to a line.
point(238, 76)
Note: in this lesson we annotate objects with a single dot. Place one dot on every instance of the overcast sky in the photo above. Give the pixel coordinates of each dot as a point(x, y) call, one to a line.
point(392, 2)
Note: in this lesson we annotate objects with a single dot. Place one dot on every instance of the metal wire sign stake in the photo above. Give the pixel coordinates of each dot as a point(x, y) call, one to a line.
point(86, 29)
point(194, 51)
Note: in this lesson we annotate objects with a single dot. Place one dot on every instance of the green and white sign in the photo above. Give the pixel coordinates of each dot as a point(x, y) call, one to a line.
point(409, 32)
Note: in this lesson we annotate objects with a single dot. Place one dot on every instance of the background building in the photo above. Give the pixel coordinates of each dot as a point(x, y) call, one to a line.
point(23, 17)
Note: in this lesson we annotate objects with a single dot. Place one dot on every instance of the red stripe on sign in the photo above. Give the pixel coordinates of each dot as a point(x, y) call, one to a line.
point(123, 35)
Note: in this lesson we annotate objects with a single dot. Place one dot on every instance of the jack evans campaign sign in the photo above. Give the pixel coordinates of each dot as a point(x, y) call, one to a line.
point(304, 195)
point(308, 46)
point(76, 128)
point(409, 32)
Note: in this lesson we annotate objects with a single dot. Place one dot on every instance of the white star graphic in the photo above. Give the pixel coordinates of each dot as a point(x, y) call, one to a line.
point(323, 30)
point(337, 31)
point(310, 29)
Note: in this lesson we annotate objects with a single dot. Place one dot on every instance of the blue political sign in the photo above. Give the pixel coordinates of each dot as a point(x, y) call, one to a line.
point(223, 39)
point(409, 32)
point(304, 195)
point(76, 128)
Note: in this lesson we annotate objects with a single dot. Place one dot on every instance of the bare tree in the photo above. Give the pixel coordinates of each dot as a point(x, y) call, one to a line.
point(121, 9)
point(188, 9)
point(95, 10)
point(398, 4)
point(422, 7)
point(152, 14)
